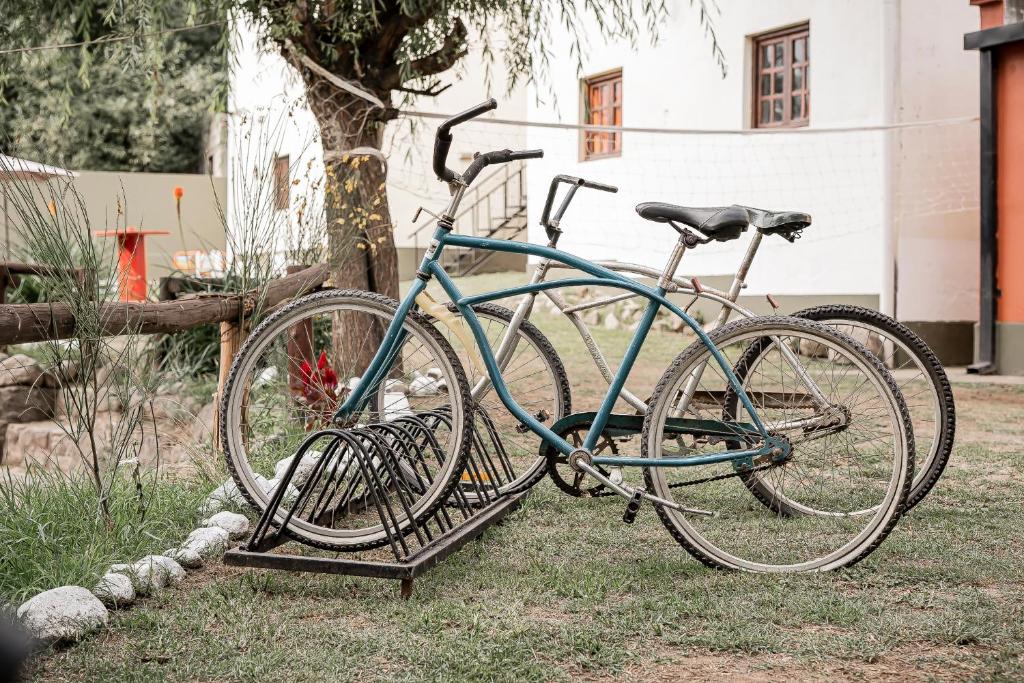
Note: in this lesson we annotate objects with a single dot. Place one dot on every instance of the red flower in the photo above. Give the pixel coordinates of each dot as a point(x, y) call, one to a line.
point(179, 192)
point(324, 377)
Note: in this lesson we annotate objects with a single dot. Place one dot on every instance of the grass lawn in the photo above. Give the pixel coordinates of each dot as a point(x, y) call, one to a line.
point(564, 591)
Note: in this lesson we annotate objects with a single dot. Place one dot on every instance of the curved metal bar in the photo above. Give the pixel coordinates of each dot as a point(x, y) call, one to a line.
point(599, 280)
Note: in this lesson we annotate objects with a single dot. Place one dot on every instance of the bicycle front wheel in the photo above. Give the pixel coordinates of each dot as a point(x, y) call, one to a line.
point(289, 378)
point(535, 379)
point(852, 449)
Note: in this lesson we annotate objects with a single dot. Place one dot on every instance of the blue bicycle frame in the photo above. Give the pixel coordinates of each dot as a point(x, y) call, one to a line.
point(600, 277)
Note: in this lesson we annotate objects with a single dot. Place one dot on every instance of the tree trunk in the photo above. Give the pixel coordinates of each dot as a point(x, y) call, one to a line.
point(361, 244)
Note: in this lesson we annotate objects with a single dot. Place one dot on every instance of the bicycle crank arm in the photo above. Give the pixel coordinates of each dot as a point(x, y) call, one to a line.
point(628, 492)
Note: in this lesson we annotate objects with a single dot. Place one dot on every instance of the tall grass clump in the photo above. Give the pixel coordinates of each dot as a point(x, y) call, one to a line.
point(50, 534)
point(92, 367)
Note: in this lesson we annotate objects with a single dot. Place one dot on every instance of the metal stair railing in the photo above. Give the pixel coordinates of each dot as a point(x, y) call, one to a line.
point(479, 218)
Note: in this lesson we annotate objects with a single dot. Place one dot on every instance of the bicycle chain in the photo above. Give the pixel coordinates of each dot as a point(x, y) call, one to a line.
point(702, 480)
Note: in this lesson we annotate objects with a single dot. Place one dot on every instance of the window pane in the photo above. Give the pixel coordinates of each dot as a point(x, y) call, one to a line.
point(797, 105)
point(766, 55)
point(779, 78)
point(766, 84)
point(799, 49)
point(777, 110)
point(778, 54)
point(765, 111)
point(798, 78)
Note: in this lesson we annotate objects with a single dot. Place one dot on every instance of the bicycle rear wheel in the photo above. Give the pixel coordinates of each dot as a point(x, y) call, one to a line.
point(852, 450)
point(920, 377)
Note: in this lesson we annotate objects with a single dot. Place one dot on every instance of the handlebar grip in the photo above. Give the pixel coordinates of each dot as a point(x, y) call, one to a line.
point(471, 113)
point(526, 154)
point(600, 186)
point(442, 144)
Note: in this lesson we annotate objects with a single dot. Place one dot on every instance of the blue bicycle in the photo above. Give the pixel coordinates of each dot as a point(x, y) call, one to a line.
point(771, 444)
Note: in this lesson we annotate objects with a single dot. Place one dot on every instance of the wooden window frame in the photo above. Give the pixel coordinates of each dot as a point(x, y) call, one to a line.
point(785, 36)
point(282, 182)
point(585, 85)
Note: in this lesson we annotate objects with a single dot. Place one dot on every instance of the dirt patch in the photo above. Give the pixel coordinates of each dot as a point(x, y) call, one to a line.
point(911, 663)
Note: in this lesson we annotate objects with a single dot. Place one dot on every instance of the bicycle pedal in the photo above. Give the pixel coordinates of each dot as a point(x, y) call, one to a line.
point(632, 507)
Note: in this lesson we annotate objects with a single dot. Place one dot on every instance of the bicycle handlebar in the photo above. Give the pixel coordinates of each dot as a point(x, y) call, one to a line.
point(551, 223)
point(443, 139)
point(500, 157)
point(443, 144)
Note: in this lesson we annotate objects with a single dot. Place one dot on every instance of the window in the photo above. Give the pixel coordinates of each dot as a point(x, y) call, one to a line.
point(782, 96)
point(602, 106)
point(282, 183)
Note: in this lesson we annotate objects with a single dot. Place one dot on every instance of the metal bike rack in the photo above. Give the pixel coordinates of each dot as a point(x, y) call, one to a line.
point(376, 469)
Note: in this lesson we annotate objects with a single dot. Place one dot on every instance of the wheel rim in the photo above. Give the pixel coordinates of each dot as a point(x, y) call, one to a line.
point(748, 535)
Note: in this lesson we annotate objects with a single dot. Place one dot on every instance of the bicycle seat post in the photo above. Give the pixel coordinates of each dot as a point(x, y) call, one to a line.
point(686, 240)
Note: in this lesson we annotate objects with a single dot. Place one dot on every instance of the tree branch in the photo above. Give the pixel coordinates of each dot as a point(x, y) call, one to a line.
point(433, 90)
point(451, 51)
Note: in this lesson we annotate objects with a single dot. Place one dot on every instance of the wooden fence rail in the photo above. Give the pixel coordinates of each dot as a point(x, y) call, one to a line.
point(21, 323)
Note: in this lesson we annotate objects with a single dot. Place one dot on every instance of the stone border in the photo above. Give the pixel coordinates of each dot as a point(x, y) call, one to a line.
point(69, 613)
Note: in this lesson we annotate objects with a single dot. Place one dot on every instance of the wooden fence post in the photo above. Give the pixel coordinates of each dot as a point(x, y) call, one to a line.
point(231, 338)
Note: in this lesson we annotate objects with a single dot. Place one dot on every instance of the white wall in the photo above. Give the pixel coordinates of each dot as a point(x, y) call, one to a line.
point(835, 176)
point(937, 168)
point(838, 177)
point(264, 86)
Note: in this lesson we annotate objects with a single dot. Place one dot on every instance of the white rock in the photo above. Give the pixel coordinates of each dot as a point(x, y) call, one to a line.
point(19, 369)
point(395, 406)
point(115, 590)
point(813, 349)
point(208, 542)
point(302, 472)
point(189, 559)
point(611, 322)
point(125, 569)
point(225, 494)
point(396, 387)
point(62, 614)
point(271, 486)
point(235, 524)
point(353, 382)
point(268, 376)
point(156, 572)
point(424, 386)
point(435, 373)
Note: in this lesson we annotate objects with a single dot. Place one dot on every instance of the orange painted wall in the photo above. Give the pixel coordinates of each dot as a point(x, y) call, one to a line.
point(991, 12)
point(1010, 182)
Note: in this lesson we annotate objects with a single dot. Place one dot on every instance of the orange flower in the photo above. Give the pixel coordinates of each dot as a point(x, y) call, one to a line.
point(179, 192)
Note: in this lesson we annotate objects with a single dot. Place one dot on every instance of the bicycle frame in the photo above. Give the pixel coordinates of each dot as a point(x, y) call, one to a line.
point(672, 284)
point(600, 277)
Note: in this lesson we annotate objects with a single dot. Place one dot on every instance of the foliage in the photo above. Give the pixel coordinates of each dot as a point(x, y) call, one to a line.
point(50, 534)
point(107, 108)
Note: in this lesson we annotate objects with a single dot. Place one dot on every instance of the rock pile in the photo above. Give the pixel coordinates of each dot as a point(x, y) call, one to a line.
point(38, 409)
point(27, 394)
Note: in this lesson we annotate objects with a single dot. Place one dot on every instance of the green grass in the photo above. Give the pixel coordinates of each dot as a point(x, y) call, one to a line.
point(52, 535)
point(563, 590)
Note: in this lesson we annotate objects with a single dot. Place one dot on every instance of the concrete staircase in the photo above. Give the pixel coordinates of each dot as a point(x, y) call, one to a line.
point(496, 208)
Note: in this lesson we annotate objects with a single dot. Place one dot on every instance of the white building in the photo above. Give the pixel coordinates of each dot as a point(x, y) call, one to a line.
point(893, 196)
point(895, 209)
